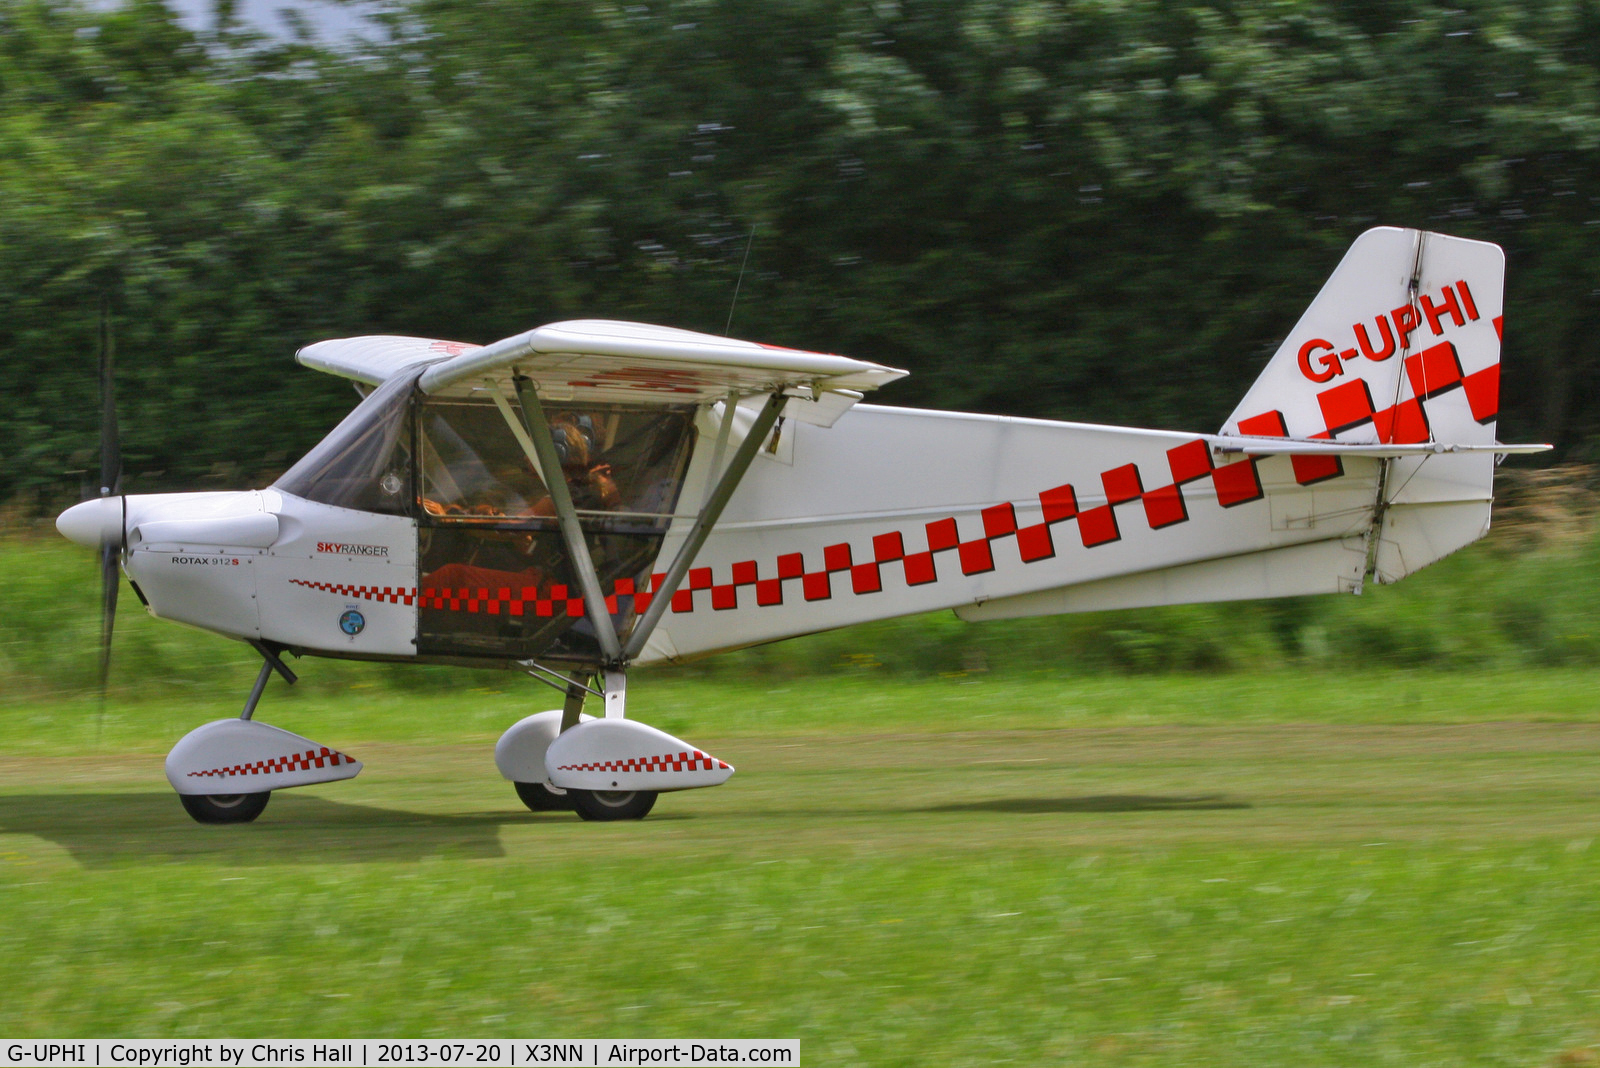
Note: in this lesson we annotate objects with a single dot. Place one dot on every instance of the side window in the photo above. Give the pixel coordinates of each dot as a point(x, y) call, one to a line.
point(472, 465)
point(365, 462)
point(623, 463)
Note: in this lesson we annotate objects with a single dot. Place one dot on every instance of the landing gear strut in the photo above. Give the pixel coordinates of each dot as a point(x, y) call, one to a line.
point(612, 768)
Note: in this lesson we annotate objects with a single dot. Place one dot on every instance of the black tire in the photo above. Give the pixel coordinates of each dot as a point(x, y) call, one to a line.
point(603, 806)
point(224, 808)
point(542, 797)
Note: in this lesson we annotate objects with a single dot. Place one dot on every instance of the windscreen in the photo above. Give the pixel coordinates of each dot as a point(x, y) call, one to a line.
point(365, 462)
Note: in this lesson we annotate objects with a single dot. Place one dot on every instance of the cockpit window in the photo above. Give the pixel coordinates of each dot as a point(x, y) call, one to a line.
point(618, 462)
point(471, 464)
point(365, 462)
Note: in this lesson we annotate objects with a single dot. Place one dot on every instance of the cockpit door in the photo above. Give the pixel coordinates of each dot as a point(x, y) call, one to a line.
point(494, 577)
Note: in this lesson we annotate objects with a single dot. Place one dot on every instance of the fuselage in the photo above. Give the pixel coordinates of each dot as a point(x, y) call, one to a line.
point(888, 512)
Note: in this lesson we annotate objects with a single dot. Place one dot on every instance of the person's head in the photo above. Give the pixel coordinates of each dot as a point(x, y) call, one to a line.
point(574, 439)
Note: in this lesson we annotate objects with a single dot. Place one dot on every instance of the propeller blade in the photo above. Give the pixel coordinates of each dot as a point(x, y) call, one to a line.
point(109, 586)
point(111, 546)
point(110, 445)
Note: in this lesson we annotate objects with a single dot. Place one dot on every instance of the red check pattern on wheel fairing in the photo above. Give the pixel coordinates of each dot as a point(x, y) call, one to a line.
point(311, 758)
point(693, 761)
point(1431, 372)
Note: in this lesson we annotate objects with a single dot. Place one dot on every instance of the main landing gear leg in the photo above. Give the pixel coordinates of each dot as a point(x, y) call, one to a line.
point(604, 806)
point(609, 766)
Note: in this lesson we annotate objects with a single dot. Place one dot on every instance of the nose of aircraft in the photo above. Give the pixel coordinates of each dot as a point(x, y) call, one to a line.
point(92, 523)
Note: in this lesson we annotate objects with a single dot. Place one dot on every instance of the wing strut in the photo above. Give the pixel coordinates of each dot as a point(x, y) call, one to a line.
point(726, 484)
point(544, 446)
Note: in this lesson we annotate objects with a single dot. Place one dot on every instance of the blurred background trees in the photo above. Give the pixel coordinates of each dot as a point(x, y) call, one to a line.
point(1107, 212)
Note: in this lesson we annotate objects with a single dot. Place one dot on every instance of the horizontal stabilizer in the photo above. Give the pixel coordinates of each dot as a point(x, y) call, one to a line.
point(1252, 446)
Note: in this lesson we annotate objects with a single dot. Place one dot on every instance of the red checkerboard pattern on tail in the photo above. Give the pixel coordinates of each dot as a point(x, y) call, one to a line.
point(321, 757)
point(693, 760)
point(1348, 406)
point(1401, 346)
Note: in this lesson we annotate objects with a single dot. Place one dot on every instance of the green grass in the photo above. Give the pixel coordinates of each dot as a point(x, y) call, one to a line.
point(349, 712)
point(1385, 868)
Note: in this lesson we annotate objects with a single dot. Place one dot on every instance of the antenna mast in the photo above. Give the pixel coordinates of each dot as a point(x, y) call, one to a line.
point(735, 301)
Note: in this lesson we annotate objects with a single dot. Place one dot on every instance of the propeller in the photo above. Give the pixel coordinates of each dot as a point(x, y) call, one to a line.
point(112, 545)
point(102, 522)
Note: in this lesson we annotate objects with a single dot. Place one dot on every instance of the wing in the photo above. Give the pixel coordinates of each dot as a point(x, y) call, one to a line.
point(376, 358)
point(594, 360)
point(598, 360)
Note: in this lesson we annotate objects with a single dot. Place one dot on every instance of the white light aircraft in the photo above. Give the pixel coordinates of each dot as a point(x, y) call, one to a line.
point(589, 496)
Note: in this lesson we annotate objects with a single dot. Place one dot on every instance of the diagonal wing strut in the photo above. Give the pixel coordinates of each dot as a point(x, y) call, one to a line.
point(709, 514)
point(532, 431)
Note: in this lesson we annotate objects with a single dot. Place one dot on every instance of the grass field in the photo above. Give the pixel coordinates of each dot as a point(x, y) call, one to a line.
point(1386, 868)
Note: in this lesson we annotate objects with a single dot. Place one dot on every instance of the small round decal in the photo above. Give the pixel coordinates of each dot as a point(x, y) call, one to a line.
point(352, 622)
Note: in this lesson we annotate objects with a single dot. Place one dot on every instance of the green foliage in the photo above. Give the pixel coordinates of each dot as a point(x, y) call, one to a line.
point(1106, 212)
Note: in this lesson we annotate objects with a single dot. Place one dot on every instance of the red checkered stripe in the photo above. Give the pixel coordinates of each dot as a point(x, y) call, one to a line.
point(1163, 506)
point(390, 594)
point(311, 758)
point(527, 600)
point(1431, 372)
point(691, 761)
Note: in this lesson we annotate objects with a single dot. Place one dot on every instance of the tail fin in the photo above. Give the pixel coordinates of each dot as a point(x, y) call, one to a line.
point(1401, 346)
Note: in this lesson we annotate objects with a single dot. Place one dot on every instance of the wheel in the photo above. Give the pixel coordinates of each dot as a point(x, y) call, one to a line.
point(542, 797)
point(224, 808)
point(606, 805)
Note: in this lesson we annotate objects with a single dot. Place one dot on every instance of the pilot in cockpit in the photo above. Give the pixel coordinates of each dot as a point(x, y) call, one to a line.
point(514, 491)
point(591, 485)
